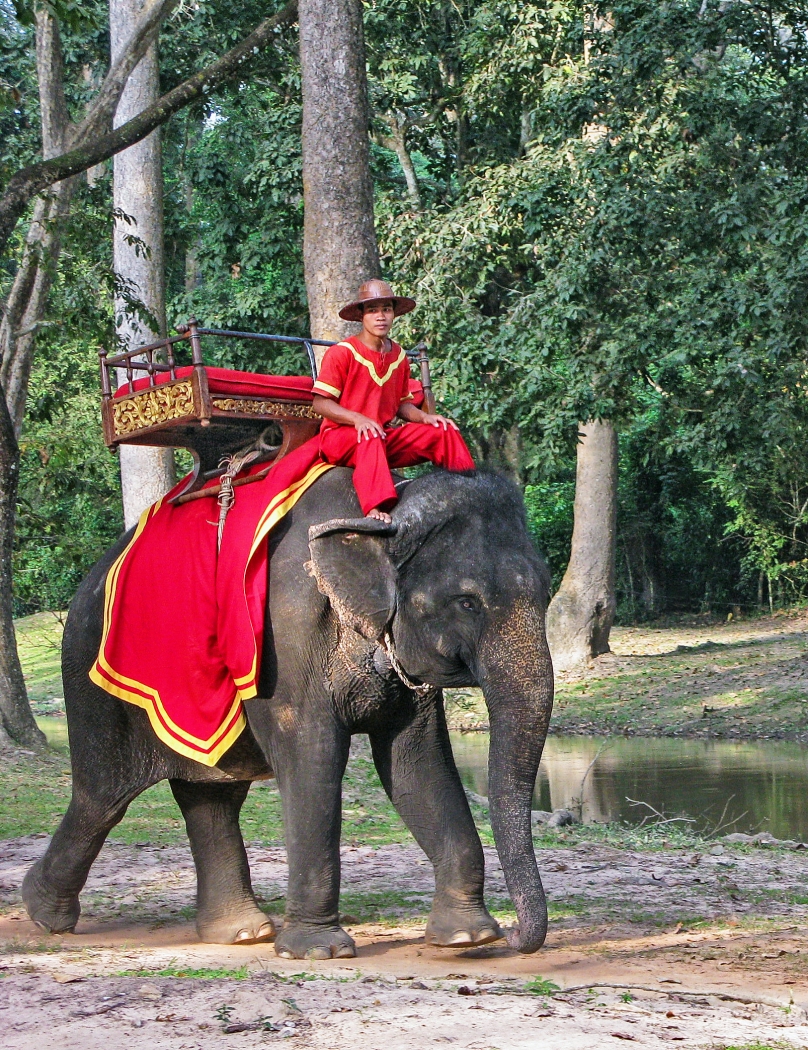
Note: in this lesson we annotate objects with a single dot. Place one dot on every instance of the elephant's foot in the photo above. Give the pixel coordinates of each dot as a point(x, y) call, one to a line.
point(50, 912)
point(314, 942)
point(456, 926)
point(248, 925)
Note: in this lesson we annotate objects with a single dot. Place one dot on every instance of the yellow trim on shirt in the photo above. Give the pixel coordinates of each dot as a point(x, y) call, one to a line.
point(374, 375)
point(324, 388)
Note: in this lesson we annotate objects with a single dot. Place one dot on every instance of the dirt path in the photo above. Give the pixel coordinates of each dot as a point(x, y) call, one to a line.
point(731, 922)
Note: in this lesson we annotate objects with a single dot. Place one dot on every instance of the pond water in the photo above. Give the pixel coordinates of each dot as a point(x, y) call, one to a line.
point(762, 783)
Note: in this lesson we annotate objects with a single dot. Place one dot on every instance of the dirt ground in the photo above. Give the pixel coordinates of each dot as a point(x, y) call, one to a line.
point(703, 942)
point(676, 931)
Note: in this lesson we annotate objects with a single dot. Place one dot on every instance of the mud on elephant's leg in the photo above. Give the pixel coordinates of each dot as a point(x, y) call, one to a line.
point(309, 763)
point(417, 768)
point(227, 912)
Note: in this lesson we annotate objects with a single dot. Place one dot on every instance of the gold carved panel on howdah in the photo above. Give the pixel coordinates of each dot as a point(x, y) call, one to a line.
point(159, 404)
point(275, 409)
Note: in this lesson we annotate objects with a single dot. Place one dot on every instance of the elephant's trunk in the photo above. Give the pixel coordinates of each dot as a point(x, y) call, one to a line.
point(516, 676)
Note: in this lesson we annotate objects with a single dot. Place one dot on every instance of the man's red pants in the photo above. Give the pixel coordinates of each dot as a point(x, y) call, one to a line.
point(404, 446)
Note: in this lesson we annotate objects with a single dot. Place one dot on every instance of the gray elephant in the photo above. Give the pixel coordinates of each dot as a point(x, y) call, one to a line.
point(458, 590)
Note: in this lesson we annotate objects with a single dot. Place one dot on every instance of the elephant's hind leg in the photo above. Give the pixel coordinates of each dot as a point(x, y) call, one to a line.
point(227, 912)
point(51, 887)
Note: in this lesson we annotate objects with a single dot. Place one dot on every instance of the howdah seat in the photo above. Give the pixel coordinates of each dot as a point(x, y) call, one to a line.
point(150, 399)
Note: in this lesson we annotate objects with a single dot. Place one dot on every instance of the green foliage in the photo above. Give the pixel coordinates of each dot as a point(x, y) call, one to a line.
point(541, 986)
point(69, 508)
point(549, 518)
point(612, 223)
point(240, 973)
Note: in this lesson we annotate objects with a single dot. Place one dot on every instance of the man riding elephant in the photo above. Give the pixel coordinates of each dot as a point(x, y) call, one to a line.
point(366, 621)
point(363, 385)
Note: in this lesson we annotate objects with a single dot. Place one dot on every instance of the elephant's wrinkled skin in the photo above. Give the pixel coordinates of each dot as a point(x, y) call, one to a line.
point(464, 594)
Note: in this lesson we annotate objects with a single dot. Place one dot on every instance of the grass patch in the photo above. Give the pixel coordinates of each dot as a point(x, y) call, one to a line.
point(39, 642)
point(17, 946)
point(224, 974)
point(727, 689)
point(779, 1045)
point(385, 908)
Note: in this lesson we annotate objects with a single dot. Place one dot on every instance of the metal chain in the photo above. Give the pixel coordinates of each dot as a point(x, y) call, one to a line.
point(422, 690)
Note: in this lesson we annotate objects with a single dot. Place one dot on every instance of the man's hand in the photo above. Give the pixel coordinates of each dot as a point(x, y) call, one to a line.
point(438, 421)
point(333, 410)
point(368, 429)
point(411, 414)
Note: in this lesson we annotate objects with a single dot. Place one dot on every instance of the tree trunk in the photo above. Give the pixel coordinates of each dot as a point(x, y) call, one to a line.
point(146, 473)
point(24, 310)
point(16, 717)
point(34, 278)
point(501, 450)
point(339, 237)
point(581, 614)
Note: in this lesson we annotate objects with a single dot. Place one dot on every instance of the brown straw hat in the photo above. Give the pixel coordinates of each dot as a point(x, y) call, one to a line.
point(371, 292)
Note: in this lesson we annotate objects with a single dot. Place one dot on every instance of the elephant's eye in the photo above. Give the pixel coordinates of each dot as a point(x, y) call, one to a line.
point(469, 604)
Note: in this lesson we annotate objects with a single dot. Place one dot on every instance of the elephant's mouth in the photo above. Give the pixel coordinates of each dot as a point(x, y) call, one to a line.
point(445, 670)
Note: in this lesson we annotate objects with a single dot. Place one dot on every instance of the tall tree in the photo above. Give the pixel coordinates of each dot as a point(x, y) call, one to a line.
point(582, 612)
point(138, 256)
point(339, 236)
point(97, 141)
point(68, 149)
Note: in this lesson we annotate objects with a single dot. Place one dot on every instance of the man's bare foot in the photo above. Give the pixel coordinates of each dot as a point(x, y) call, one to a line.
point(380, 515)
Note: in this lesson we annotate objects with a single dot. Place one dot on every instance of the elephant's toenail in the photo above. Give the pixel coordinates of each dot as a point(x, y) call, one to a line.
point(460, 938)
point(347, 951)
point(318, 953)
point(284, 953)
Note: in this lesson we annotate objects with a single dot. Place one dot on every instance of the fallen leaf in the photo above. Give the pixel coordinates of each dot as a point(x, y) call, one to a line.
point(67, 978)
point(622, 1035)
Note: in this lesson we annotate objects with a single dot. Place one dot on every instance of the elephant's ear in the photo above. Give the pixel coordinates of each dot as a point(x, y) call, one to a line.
point(350, 563)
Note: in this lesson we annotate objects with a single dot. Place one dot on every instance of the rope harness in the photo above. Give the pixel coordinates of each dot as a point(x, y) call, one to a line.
point(387, 645)
point(233, 465)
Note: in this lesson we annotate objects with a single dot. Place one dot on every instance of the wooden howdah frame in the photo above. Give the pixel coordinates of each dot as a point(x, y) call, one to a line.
point(182, 412)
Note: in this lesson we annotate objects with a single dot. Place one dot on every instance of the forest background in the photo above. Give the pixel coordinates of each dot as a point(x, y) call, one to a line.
point(600, 210)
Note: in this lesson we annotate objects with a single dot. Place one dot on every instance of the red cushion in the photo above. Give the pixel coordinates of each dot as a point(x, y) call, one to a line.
point(238, 384)
point(251, 384)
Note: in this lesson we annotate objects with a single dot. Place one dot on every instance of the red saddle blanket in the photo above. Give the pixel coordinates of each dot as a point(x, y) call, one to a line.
point(183, 623)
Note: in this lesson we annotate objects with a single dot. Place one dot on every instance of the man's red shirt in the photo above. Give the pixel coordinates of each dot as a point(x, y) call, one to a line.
point(364, 380)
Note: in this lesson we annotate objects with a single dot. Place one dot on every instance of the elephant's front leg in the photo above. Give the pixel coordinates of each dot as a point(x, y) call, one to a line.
point(309, 755)
point(416, 766)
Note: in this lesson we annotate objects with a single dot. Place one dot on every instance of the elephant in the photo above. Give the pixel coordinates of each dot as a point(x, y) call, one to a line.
point(366, 624)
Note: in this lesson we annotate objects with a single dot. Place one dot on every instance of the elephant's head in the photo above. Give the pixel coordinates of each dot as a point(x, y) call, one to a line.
point(461, 591)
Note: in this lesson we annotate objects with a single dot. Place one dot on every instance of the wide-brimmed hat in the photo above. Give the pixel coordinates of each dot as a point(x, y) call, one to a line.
point(370, 292)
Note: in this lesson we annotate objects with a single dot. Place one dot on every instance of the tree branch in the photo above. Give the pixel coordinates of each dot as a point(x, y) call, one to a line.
point(29, 181)
point(99, 116)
